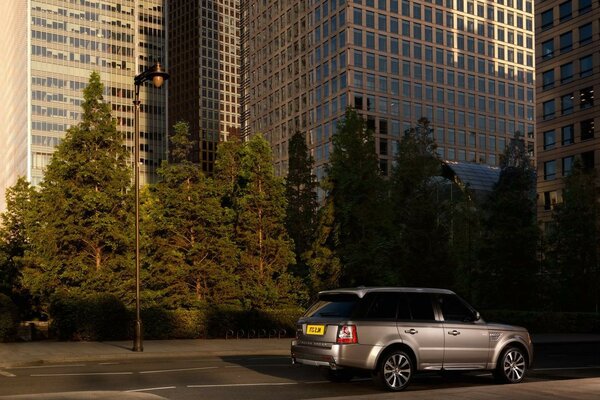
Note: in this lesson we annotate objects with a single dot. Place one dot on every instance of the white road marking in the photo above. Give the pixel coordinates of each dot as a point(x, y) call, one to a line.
point(50, 366)
point(84, 374)
point(7, 374)
point(150, 389)
point(257, 365)
point(245, 384)
point(176, 370)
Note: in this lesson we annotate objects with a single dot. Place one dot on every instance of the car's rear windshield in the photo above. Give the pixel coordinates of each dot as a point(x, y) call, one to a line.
point(333, 305)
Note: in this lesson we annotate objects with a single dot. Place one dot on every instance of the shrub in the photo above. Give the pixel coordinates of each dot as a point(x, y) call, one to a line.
point(9, 319)
point(546, 321)
point(95, 317)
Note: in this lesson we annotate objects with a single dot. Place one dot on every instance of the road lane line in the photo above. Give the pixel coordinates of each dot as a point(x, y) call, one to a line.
point(150, 389)
point(83, 374)
point(7, 374)
point(245, 384)
point(49, 366)
point(176, 370)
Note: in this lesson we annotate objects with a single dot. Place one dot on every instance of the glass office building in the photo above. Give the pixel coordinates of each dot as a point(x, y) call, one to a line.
point(568, 74)
point(467, 66)
point(52, 47)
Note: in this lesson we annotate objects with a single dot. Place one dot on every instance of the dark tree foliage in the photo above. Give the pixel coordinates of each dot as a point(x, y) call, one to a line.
point(14, 242)
point(192, 258)
point(508, 253)
point(82, 243)
point(360, 204)
point(301, 195)
point(573, 241)
point(421, 209)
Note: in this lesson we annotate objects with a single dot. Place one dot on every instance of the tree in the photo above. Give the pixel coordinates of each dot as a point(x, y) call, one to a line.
point(14, 241)
point(358, 195)
point(191, 256)
point(256, 197)
point(301, 195)
point(573, 241)
point(422, 213)
point(508, 253)
point(82, 240)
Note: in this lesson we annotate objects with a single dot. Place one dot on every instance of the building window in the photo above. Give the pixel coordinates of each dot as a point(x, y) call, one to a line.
point(549, 140)
point(586, 66)
point(566, 42)
point(548, 49)
point(587, 129)
point(548, 109)
point(567, 165)
point(567, 104)
point(548, 79)
point(547, 19)
point(567, 133)
point(586, 97)
point(565, 10)
point(566, 72)
point(585, 34)
point(550, 200)
point(585, 6)
point(550, 170)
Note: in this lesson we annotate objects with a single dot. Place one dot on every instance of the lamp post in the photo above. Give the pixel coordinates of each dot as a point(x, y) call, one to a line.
point(158, 76)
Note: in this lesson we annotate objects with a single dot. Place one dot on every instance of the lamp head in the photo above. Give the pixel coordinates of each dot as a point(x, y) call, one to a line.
point(158, 75)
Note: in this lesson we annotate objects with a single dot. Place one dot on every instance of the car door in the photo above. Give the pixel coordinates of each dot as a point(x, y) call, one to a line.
point(419, 329)
point(467, 342)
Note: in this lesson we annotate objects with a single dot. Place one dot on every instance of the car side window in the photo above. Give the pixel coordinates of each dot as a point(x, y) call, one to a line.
point(403, 313)
point(454, 309)
point(421, 308)
point(383, 306)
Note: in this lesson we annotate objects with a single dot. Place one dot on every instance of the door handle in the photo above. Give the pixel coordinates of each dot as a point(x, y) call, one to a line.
point(454, 333)
point(411, 331)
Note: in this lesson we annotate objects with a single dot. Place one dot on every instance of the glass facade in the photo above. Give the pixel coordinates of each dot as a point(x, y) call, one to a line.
point(467, 66)
point(66, 41)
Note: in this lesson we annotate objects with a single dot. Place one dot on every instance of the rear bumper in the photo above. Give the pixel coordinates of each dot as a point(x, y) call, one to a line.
point(333, 355)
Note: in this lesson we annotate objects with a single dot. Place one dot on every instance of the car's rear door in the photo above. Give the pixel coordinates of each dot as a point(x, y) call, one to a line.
point(419, 329)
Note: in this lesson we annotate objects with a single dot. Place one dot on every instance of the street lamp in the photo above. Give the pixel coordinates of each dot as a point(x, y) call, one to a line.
point(158, 76)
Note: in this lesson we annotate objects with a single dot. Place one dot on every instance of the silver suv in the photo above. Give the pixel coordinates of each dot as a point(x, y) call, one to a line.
point(395, 332)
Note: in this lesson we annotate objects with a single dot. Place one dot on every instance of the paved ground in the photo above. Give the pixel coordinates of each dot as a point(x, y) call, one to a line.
point(47, 352)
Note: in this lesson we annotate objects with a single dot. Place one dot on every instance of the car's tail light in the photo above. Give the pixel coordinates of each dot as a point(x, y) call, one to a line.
point(347, 334)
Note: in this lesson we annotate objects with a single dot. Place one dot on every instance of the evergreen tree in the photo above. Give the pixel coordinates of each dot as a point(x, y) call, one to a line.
point(266, 250)
point(192, 257)
point(508, 253)
point(359, 200)
point(83, 240)
point(301, 194)
point(573, 240)
point(422, 213)
point(14, 241)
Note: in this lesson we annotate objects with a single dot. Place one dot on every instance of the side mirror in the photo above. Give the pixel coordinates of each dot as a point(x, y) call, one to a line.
point(476, 316)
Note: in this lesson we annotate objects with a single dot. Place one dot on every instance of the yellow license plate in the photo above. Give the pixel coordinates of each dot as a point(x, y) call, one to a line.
point(315, 329)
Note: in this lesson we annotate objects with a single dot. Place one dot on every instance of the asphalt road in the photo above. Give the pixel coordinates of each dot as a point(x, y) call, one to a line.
point(259, 377)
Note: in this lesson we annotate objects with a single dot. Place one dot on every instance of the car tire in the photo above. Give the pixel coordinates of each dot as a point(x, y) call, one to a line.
point(511, 366)
point(338, 375)
point(395, 371)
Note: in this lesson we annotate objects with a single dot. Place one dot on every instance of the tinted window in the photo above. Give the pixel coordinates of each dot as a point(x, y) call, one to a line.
point(382, 306)
point(454, 309)
point(420, 306)
point(337, 305)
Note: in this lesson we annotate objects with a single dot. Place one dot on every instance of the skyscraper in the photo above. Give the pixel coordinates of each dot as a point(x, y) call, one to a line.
point(568, 74)
point(204, 64)
point(467, 66)
point(52, 47)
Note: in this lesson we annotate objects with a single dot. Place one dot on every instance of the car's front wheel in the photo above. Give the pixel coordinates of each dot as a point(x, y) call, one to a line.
point(395, 371)
point(511, 366)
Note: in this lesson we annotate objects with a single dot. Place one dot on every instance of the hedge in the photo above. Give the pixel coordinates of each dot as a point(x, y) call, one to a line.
point(104, 317)
point(9, 319)
point(547, 322)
